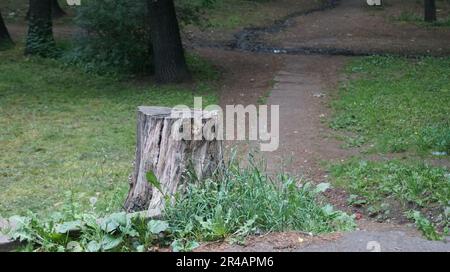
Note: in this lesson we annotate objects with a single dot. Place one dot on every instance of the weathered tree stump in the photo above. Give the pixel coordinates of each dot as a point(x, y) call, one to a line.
point(162, 153)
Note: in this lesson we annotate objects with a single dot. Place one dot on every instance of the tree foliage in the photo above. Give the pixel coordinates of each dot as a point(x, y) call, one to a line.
point(115, 35)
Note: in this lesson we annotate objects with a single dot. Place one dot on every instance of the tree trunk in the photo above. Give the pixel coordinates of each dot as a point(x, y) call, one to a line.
point(168, 56)
point(5, 39)
point(166, 157)
point(57, 11)
point(430, 11)
point(40, 39)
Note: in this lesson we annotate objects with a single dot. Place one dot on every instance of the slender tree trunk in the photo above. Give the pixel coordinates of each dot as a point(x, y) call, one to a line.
point(40, 39)
point(430, 10)
point(57, 11)
point(5, 39)
point(169, 61)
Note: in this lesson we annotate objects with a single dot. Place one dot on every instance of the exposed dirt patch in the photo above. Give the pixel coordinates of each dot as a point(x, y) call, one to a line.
point(245, 77)
point(387, 237)
point(273, 242)
point(303, 90)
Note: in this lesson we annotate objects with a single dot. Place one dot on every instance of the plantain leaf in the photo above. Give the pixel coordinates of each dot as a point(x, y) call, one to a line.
point(157, 226)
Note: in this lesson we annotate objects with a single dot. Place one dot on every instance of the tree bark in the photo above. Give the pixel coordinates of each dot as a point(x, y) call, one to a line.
point(5, 38)
point(168, 55)
point(159, 152)
point(430, 11)
point(57, 11)
point(40, 39)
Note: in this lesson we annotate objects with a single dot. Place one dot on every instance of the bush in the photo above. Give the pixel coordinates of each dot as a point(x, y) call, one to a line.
point(114, 37)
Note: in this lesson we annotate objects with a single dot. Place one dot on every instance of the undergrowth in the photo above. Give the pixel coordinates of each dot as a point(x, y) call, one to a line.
point(234, 203)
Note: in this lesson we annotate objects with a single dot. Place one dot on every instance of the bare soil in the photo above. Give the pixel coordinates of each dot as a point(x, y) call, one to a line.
point(356, 28)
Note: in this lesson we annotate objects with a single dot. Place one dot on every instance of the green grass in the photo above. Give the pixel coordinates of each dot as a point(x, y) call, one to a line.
point(397, 104)
point(66, 130)
point(411, 17)
point(413, 183)
point(393, 104)
point(387, 188)
point(223, 15)
point(245, 200)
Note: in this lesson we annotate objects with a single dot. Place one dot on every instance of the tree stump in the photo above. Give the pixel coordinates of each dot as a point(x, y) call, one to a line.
point(161, 154)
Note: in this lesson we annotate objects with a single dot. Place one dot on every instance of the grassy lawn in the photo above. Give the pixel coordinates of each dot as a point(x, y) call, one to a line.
point(414, 14)
point(397, 105)
point(64, 130)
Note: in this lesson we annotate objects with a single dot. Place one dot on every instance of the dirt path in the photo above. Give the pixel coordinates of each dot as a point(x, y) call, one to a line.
point(354, 28)
point(370, 237)
point(302, 90)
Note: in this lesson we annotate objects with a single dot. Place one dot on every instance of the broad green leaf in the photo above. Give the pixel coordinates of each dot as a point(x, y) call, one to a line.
point(114, 221)
point(74, 246)
point(322, 187)
point(182, 245)
point(157, 226)
point(69, 227)
point(110, 242)
point(191, 245)
point(109, 226)
point(121, 218)
point(328, 209)
point(140, 248)
point(93, 246)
